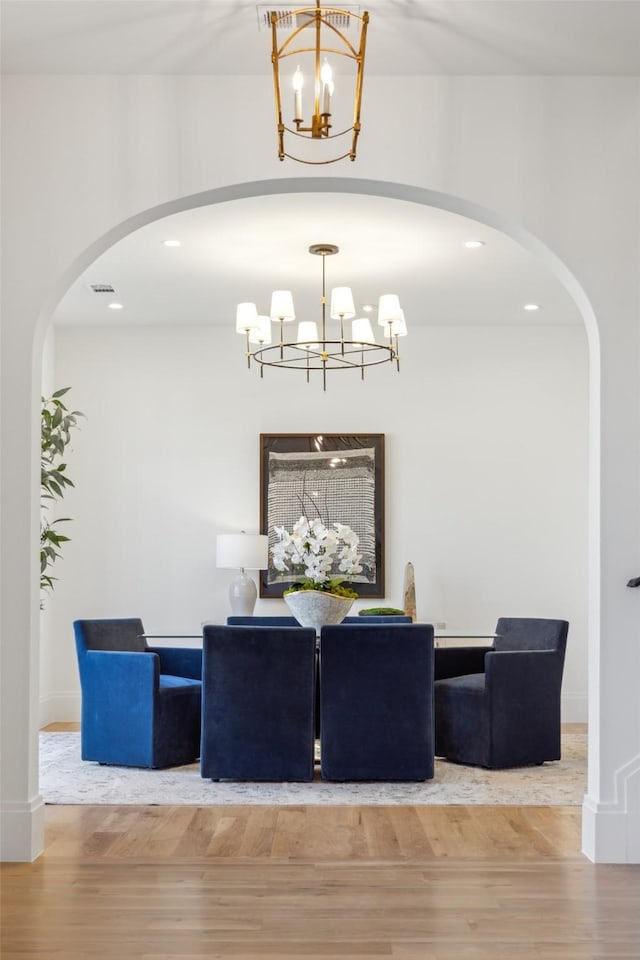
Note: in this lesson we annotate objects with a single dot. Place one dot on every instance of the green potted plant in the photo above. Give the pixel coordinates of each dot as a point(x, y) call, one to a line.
point(57, 422)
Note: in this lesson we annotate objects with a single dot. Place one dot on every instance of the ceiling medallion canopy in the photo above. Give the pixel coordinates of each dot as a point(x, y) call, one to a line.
point(312, 351)
point(316, 34)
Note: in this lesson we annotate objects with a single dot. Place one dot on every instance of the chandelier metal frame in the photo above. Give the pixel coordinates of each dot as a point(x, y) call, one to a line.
point(317, 20)
point(323, 354)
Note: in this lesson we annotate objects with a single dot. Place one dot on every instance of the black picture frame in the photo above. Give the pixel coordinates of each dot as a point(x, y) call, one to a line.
point(348, 470)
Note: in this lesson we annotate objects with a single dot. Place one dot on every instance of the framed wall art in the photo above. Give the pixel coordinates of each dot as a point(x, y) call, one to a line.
point(336, 477)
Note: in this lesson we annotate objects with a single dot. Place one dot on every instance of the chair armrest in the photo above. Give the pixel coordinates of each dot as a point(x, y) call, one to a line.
point(528, 676)
point(180, 661)
point(119, 675)
point(459, 661)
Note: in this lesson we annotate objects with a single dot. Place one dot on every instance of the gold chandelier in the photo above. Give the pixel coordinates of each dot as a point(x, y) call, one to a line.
point(313, 350)
point(315, 35)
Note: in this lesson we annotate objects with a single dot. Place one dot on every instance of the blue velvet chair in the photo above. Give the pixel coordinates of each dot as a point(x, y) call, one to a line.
point(499, 706)
point(250, 621)
point(258, 703)
point(140, 705)
point(288, 621)
point(376, 702)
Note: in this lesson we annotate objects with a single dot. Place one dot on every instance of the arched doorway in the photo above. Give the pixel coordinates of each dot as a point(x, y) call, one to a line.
point(372, 189)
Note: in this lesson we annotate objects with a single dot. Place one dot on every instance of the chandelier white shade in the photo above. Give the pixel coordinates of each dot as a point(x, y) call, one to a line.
point(308, 334)
point(361, 331)
point(342, 307)
point(389, 309)
point(315, 348)
point(399, 327)
point(262, 332)
point(282, 306)
point(246, 317)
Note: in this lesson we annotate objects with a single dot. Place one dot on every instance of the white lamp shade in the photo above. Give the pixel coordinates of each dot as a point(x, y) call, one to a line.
point(308, 334)
point(261, 333)
point(342, 303)
point(361, 331)
point(389, 309)
point(242, 551)
point(399, 327)
point(246, 317)
point(282, 306)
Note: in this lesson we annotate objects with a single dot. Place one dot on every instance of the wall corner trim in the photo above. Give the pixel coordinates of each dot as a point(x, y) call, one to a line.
point(611, 829)
point(22, 830)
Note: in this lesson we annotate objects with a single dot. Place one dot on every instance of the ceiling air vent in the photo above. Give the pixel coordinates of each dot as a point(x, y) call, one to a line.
point(290, 21)
point(101, 288)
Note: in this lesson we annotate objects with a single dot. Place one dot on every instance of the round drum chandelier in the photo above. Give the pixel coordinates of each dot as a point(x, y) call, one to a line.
point(315, 350)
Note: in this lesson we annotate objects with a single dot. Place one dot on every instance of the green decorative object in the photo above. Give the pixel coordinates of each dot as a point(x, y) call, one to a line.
point(381, 612)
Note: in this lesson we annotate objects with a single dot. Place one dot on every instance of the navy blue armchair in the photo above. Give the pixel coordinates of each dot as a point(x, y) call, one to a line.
point(288, 621)
point(499, 706)
point(141, 705)
point(376, 702)
point(258, 703)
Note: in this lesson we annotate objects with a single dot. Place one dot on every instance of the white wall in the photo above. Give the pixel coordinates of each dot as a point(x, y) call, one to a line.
point(552, 158)
point(486, 481)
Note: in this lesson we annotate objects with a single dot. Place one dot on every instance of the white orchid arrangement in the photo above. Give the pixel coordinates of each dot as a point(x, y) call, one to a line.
point(316, 551)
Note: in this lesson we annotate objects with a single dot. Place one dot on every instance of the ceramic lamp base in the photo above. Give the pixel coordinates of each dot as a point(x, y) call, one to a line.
point(242, 595)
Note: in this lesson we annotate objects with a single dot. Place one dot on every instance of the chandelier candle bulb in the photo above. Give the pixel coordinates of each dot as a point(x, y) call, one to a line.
point(327, 93)
point(326, 75)
point(298, 83)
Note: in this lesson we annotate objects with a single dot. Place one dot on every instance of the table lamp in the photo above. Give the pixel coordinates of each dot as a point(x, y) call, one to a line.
point(240, 551)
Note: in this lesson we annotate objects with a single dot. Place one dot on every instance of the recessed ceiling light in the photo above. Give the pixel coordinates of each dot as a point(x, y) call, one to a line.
point(367, 307)
point(473, 244)
point(115, 306)
point(532, 306)
point(171, 243)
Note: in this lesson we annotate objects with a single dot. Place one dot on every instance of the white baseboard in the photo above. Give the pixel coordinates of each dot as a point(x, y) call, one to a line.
point(611, 829)
point(22, 831)
point(66, 708)
point(61, 708)
point(574, 708)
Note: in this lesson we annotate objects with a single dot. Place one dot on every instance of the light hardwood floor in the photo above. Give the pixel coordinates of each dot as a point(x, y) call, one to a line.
point(316, 883)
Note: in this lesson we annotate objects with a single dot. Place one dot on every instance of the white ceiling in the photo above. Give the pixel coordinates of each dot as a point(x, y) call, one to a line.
point(405, 36)
point(231, 252)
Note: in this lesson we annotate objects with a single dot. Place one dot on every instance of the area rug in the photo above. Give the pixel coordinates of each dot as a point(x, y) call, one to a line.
point(65, 778)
